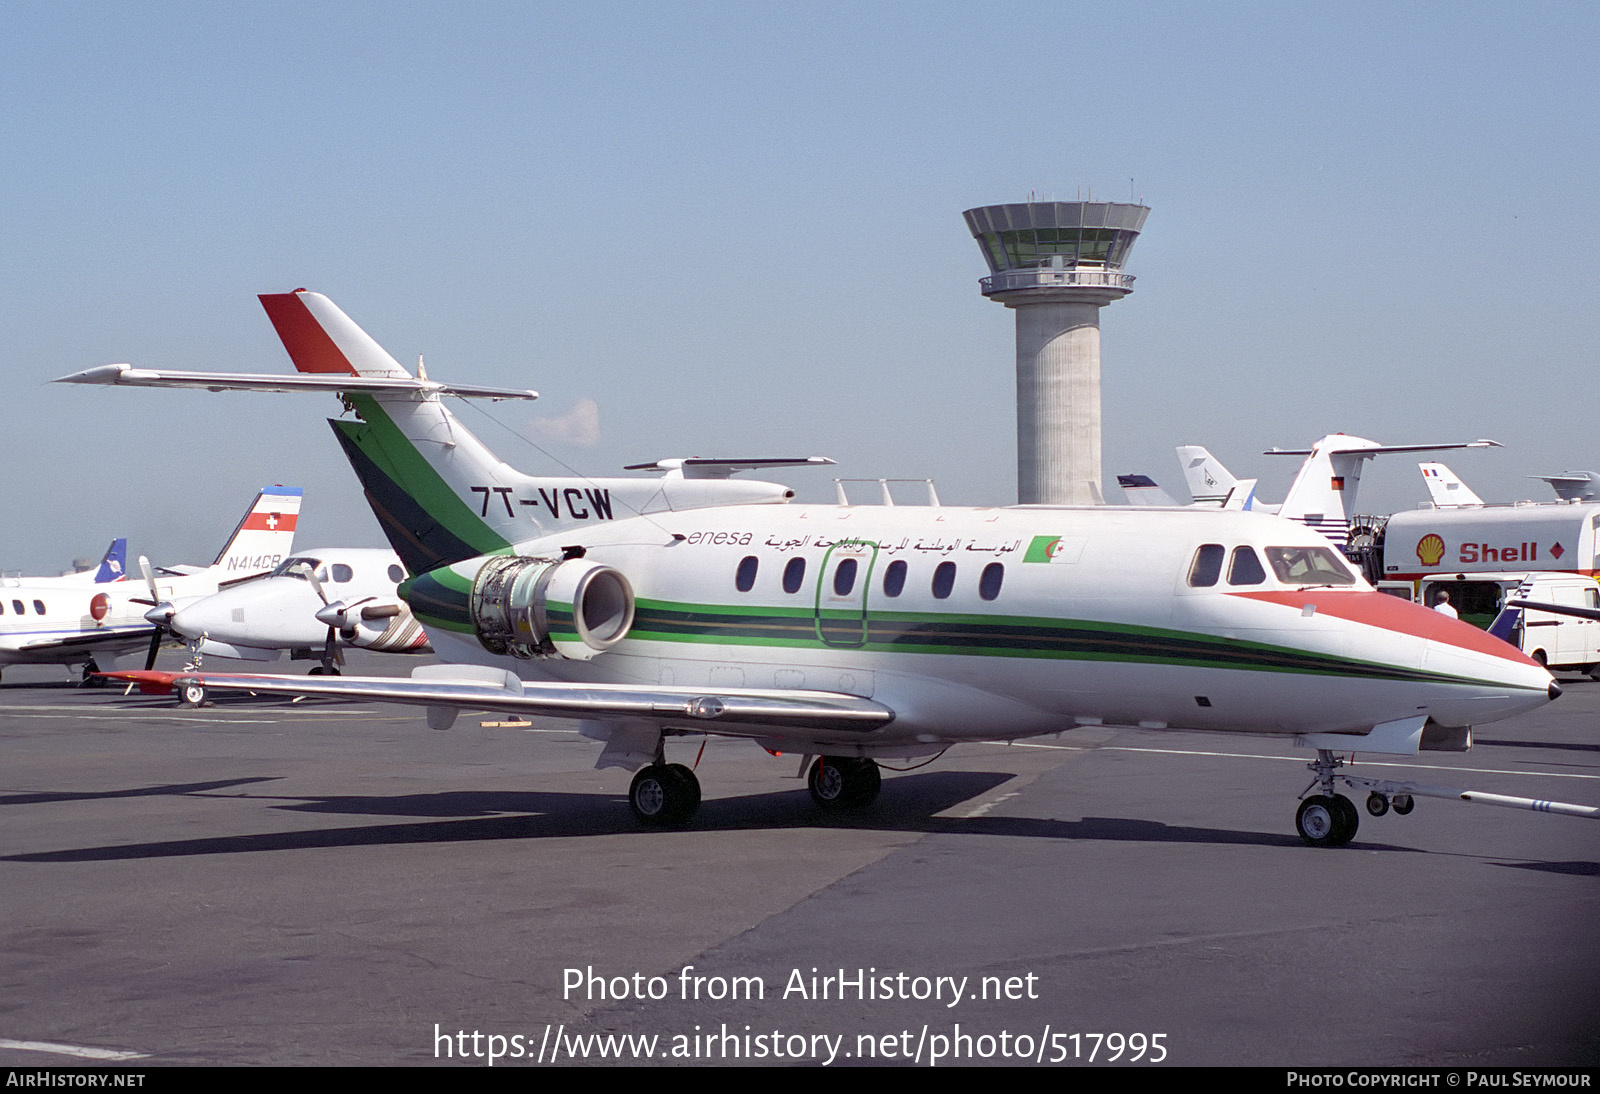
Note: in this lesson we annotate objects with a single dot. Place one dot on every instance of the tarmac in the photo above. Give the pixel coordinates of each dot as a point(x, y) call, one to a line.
point(266, 882)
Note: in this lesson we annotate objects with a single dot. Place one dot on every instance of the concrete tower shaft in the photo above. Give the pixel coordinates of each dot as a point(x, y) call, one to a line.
point(1057, 264)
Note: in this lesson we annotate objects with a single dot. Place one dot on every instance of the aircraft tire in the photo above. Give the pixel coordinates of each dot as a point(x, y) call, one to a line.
point(1377, 804)
point(661, 796)
point(1317, 821)
point(689, 789)
point(1349, 819)
point(839, 782)
point(191, 694)
point(92, 677)
point(1403, 804)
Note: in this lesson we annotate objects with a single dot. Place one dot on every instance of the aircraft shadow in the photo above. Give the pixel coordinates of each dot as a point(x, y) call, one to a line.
point(138, 792)
point(909, 804)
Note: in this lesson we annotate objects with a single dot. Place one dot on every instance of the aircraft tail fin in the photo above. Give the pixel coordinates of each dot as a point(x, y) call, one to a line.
point(321, 338)
point(1208, 481)
point(265, 537)
point(1446, 488)
point(1142, 490)
point(114, 566)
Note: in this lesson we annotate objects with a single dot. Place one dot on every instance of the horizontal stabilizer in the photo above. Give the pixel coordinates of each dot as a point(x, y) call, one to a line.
point(128, 376)
point(701, 467)
point(1332, 444)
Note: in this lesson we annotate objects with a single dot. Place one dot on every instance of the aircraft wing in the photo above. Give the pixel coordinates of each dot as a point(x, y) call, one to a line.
point(88, 640)
point(128, 376)
point(459, 687)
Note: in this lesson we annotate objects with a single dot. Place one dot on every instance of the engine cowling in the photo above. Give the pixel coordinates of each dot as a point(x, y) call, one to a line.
point(544, 607)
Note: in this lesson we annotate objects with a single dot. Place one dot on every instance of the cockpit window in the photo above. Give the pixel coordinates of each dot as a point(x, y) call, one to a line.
point(1309, 566)
point(1207, 565)
point(1245, 569)
point(290, 567)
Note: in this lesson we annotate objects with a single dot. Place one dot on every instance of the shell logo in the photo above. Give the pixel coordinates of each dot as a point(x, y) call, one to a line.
point(1430, 549)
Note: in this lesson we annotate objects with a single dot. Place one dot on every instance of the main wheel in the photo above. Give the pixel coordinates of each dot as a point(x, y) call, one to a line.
point(1317, 821)
point(1377, 804)
point(1403, 803)
point(91, 675)
point(664, 794)
point(191, 693)
point(839, 782)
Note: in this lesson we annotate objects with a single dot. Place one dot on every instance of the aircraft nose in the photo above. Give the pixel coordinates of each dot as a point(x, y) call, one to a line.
point(1554, 690)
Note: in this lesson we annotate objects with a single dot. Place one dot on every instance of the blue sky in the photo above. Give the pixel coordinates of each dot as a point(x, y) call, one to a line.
point(734, 229)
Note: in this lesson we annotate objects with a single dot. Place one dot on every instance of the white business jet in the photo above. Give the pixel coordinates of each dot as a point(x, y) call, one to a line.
point(648, 609)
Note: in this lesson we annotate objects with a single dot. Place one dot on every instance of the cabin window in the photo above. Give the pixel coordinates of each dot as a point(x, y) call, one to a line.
point(944, 579)
point(2, 607)
point(894, 578)
point(989, 581)
point(1245, 569)
point(1309, 566)
point(1207, 565)
point(341, 572)
point(16, 606)
point(396, 574)
point(844, 578)
point(793, 574)
point(38, 607)
point(745, 579)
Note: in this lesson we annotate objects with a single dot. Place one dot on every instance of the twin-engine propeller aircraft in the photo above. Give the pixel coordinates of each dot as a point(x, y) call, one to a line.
point(313, 605)
point(696, 603)
point(69, 621)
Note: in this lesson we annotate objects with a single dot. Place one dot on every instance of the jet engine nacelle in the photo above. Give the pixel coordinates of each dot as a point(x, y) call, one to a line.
point(543, 607)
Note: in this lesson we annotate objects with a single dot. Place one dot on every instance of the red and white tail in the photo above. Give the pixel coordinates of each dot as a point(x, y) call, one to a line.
point(321, 338)
point(265, 537)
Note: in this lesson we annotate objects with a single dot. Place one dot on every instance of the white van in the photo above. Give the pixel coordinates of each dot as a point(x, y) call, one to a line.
point(1559, 641)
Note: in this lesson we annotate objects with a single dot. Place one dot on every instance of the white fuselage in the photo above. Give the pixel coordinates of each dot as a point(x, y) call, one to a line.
point(260, 618)
point(1093, 619)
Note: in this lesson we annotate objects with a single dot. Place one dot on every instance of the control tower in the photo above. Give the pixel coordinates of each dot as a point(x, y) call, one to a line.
point(1057, 263)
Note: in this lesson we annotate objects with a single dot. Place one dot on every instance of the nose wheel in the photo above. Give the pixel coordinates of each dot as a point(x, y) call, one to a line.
point(1327, 820)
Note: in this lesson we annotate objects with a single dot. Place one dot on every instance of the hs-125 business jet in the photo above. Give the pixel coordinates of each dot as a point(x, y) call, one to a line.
point(697, 603)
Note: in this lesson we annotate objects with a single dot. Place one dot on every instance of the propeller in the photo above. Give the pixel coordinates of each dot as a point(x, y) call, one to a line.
point(160, 614)
point(331, 613)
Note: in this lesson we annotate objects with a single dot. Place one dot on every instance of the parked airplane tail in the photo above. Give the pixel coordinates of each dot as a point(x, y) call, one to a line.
point(114, 566)
point(1446, 488)
point(1323, 494)
point(1142, 490)
point(265, 537)
point(439, 493)
point(1208, 481)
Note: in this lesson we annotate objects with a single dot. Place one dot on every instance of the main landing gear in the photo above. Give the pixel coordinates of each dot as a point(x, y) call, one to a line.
point(664, 794)
point(838, 782)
